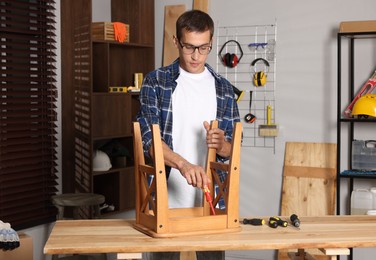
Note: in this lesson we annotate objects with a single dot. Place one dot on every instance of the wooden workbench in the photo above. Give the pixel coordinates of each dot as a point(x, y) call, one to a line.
point(118, 236)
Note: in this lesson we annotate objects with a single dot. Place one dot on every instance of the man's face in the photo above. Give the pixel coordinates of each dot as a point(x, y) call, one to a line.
point(194, 62)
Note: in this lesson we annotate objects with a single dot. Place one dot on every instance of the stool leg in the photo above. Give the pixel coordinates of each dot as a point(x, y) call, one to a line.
point(60, 214)
point(97, 212)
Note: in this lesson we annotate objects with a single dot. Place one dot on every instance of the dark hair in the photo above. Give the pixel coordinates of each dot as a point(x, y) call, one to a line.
point(194, 21)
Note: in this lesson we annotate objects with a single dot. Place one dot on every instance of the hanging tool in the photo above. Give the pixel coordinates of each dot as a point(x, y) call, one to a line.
point(279, 221)
point(209, 199)
point(254, 221)
point(269, 129)
point(250, 118)
point(238, 93)
point(295, 220)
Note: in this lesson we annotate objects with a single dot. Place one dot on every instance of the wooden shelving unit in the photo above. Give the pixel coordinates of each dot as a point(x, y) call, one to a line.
point(93, 117)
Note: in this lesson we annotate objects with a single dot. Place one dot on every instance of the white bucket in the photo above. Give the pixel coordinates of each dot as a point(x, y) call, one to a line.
point(373, 192)
point(361, 202)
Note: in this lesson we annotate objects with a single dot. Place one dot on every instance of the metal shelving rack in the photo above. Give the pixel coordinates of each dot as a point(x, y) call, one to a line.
point(348, 123)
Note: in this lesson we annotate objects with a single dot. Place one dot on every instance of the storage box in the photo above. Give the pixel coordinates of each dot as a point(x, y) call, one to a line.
point(364, 155)
point(105, 31)
point(357, 26)
point(24, 251)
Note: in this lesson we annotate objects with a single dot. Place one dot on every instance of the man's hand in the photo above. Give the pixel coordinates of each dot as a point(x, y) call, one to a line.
point(194, 174)
point(215, 138)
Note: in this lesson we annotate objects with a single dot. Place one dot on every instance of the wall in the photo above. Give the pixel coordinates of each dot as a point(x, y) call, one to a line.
point(306, 90)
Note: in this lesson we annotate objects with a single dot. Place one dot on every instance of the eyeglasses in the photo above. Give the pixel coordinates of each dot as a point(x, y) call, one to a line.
point(189, 49)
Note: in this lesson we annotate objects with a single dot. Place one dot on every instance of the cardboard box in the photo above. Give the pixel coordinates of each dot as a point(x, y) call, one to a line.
point(24, 251)
point(357, 26)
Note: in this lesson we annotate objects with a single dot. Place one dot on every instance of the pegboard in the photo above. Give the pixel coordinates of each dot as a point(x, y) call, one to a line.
point(255, 41)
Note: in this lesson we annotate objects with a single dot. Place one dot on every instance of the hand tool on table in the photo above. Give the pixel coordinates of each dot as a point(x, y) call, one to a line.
point(250, 118)
point(254, 221)
point(295, 220)
point(209, 199)
point(278, 220)
point(269, 129)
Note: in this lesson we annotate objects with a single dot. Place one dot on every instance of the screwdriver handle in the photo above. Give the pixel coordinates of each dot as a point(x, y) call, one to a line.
point(273, 223)
point(279, 221)
point(254, 221)
point(295, 220)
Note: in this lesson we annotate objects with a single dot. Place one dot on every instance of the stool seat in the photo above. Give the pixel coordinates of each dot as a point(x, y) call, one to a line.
point(78, 199)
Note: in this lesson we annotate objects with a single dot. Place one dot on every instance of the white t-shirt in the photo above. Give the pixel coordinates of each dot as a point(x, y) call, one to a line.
point(193, 102)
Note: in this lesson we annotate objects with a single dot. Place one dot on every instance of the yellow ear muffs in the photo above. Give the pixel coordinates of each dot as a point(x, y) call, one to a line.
point(260, 77)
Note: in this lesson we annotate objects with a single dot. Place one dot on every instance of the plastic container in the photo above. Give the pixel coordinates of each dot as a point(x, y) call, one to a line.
point(364, 155)
point(373, 192)
point(361, 201)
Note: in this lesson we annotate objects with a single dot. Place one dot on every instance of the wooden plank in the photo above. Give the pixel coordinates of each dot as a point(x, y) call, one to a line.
point(322, 155)
point(122, 256)
point(309, 183)
point(172, 13)
point(313, 192)
point(202, 5)
point(335, 251)
point(309, 172)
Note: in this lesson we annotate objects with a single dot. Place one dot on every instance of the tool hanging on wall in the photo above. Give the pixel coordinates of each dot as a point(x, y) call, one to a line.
point(250, 118)
point(260, 77)
point(269, 129)
point(238, 93)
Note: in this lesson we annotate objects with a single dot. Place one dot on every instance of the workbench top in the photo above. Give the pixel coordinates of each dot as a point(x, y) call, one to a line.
point(119, 236)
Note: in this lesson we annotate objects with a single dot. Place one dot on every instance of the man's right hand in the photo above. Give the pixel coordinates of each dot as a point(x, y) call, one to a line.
point(194, 174)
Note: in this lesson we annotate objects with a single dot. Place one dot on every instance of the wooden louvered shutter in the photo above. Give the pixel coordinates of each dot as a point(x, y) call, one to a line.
point(27, 112)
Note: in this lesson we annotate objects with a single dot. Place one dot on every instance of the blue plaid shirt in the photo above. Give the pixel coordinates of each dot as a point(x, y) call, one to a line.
point(156, 104)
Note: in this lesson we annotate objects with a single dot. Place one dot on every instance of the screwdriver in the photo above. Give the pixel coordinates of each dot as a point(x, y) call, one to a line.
point(273, 223)
point(279, 221)
point(254, 221)
point(209, 199)
point(295, 220)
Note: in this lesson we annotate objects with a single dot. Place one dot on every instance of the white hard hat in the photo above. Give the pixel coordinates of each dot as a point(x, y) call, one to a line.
point(101, 161)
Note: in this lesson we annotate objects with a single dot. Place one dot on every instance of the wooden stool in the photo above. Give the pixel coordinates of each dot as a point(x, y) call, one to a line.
point(153, 216)
point(77, 200)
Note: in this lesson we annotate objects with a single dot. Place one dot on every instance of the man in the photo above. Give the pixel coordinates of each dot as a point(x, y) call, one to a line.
point(182, 99)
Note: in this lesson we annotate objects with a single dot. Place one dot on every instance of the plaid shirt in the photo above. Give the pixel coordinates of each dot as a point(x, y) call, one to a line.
point(156, 104)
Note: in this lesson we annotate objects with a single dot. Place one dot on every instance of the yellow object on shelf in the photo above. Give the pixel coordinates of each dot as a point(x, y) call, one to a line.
point(118, 89)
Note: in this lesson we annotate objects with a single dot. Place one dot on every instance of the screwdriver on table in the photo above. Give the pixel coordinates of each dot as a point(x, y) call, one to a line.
point(277, 220)
point(209, 199)
point(254, 221)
